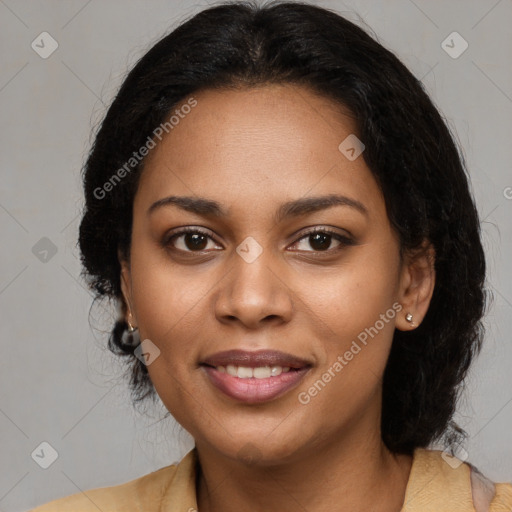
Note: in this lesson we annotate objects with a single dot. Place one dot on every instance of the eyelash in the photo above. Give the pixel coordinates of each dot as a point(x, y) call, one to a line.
point(344, 241)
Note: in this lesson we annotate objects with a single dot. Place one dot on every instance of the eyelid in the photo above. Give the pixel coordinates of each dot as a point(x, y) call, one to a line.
point(344, 240)
point(322, 228)
point(184, 230)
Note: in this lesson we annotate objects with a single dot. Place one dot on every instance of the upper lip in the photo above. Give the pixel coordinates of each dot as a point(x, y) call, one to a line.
point(255, 359)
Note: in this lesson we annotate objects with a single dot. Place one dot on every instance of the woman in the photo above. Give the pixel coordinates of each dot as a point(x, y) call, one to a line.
point(286, 222)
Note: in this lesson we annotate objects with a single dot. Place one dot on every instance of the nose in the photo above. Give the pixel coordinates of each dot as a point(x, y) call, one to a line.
point(254, 293)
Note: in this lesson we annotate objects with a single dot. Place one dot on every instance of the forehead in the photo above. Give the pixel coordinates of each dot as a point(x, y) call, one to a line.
point(256, 145)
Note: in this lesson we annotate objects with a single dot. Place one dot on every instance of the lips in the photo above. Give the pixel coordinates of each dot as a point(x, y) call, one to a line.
point(255, 359)
point(254, 376)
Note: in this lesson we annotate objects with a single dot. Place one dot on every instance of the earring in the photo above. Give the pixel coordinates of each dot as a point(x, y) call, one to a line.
point(129, 336)
point(408, 317)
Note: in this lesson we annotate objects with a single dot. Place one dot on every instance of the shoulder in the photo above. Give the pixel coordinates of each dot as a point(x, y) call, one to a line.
point(439, 481)
point(143, 493)
point(489, 496)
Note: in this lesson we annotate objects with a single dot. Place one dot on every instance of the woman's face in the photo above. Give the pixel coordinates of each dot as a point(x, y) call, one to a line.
point(255, 279)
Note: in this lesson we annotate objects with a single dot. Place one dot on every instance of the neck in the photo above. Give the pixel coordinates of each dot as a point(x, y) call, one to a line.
point(357, 473)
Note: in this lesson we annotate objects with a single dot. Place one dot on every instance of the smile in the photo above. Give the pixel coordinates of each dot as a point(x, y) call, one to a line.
point(254, 377)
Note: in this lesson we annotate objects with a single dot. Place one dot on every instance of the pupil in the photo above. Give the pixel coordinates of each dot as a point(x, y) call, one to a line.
point(197, 243)
point(320, 241)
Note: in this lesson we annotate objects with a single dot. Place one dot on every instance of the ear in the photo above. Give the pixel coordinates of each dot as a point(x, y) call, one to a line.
point(417, 282)
point(126, 288)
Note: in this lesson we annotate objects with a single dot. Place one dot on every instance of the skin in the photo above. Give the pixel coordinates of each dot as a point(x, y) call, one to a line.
point(251, 150)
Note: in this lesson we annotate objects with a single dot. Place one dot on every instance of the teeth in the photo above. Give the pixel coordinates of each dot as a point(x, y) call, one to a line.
point(276, 370)
point(231, 370)
point(262, 373)
point(244, 372)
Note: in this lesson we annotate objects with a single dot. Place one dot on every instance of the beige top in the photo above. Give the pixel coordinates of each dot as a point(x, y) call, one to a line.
point(433, 486)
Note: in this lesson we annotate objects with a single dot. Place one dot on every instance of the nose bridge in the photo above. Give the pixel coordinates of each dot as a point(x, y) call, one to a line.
point(253, 289)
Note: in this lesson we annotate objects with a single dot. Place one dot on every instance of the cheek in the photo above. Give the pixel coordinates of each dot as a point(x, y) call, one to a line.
point(352, 297)
point(353, 307)
point(168, 305)
point(164, 294)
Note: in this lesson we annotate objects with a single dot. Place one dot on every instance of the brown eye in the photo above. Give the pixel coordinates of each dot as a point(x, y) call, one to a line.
point(188, 240)
point(195, 241)
point(320, 240)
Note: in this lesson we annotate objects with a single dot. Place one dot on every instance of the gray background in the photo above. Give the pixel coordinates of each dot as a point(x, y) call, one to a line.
point(58, 383)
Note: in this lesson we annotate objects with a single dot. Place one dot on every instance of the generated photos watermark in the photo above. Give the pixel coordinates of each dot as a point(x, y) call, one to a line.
point(305, 397)
point(143, 151)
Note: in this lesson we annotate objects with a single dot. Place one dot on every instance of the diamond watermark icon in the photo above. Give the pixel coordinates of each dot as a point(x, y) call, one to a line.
point(44, 250)
point(44, 45)
point(456, 460)
point(250, 453)
point(249, 249)
point(454, 45)
point(45, 455)
point(351, 147)
point(147, 352)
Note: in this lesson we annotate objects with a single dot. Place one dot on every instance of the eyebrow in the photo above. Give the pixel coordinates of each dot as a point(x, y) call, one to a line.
point(208, 207)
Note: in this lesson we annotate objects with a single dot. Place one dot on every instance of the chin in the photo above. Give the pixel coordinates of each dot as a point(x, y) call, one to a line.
point(257, 450)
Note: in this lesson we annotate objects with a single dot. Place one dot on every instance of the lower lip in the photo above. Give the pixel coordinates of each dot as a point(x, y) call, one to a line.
point(254, 390)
